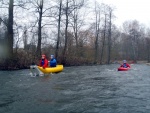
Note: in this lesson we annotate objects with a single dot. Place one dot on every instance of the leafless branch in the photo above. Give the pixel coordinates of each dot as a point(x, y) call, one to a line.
point(1, 20)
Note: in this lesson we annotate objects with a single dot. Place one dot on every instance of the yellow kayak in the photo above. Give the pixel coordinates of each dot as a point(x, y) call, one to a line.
point(48, 70)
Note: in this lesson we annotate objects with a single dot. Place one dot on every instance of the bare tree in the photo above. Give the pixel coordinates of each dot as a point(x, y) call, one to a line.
point(10, 5)
point(66, 30)
point(103, 39)
point(10, 28)
point(77, 22)
point(148, 49)
point(25, 38)
point(97, 28)
point(147, 43)
point(110, 10)
point(40, 12)
point(58, 35)
point(134, 40)
point(134, 36)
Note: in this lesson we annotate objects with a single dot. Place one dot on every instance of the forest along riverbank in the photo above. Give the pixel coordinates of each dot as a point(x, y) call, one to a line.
point(82, 89)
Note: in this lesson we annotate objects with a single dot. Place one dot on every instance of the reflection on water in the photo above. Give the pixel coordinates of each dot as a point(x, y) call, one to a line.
point(83, 89)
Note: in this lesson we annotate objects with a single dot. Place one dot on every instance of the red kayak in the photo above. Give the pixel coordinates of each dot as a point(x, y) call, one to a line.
point(123, 69)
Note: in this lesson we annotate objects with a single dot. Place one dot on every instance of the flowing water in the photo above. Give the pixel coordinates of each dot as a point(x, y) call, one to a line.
point(82, 89)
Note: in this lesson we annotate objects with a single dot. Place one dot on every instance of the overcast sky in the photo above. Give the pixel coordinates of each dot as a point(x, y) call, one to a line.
point(130, 10)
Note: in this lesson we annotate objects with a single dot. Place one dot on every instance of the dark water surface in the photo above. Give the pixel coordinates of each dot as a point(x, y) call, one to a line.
point(83, 89)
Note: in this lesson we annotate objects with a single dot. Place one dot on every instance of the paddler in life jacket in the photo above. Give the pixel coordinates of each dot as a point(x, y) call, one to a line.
point(125, 64)
point(43, 62)
point(53, 61)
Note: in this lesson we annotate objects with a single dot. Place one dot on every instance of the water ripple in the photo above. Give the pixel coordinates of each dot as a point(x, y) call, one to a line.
point(82, 89)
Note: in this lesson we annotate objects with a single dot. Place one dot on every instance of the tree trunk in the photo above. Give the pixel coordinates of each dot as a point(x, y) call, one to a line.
point(97, 32)
point(75, 28)
point(66, 35)
point(58, 37)
point(148, 49)
point(38, 51)
point(76, 23)
point(10, 29)
point(25, 39)
point(133, 42)
point(103, 42)
point(109, 39)
point(96, 40)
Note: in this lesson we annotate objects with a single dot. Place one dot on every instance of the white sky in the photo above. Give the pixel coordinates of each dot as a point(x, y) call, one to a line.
point(130, 10)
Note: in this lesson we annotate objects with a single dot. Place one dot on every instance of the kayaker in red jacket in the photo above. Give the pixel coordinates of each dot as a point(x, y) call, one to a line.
point(125, 64)
point(43, 62)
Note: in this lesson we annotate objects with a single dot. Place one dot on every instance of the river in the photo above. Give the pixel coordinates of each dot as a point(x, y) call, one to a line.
point(82, 89)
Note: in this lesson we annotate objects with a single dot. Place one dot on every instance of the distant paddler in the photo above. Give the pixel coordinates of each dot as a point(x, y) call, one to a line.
point(125, 64)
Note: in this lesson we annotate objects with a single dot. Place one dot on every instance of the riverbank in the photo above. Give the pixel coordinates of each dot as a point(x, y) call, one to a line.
point(18, 66)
